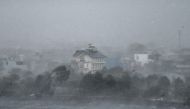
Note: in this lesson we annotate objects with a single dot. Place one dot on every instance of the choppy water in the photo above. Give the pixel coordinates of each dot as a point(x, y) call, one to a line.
point(59, 104)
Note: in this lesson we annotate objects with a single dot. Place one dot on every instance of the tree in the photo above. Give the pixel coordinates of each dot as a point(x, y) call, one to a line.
point(8, 84)
point(138, 84)
point(27, 86)
point(187, 96)
point(43, 84)
point(137, 48)
point(179, 88)
point(123, 85)
point(61, 74)
point(126, 80)
point(157, 86)
point(187, 91)
point(93, 83)
point(164, 82)
point(155, 56)
point(152, 80)
point(164, 85)
point(110, 81)
point(86, 82)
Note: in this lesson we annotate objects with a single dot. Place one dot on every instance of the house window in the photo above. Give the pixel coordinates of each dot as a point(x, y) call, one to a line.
point(81, 58)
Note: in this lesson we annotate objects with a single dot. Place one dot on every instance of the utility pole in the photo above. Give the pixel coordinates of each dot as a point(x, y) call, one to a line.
point(179, 37)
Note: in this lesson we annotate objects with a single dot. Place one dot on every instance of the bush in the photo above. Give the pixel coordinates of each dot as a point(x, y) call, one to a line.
point(60, 74)
point(43, 85)
point(8, 85)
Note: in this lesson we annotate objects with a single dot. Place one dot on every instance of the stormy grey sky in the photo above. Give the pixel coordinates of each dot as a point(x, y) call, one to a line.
point(55, 23)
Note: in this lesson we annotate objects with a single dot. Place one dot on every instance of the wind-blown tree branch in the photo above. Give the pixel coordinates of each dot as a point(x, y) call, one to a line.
point(43, 84)
point(60, 74)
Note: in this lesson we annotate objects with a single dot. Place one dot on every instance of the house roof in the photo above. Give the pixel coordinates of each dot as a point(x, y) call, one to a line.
point(89, 52)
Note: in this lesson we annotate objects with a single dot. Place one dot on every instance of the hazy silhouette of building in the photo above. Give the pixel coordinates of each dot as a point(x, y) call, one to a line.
point(88, 60)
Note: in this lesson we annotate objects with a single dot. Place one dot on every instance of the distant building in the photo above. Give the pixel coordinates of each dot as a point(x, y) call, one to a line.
point(182, 62)
point(89, 60)
point(142, 59)
point(10, 63)
point(136, 61)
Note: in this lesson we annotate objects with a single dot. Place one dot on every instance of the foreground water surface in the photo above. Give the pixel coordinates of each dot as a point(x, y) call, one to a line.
point(9, 103)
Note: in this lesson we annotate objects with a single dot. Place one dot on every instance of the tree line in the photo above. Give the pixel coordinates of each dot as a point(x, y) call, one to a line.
point(102, 83)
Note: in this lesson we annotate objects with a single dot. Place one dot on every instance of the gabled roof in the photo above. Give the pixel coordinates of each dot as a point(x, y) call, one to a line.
point(91, 53)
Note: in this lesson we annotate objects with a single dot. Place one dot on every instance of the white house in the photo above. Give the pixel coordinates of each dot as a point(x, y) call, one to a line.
point(142, 58)
point(89, 60)
point(10, 63)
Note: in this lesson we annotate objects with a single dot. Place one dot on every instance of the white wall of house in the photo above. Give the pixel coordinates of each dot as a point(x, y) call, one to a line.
point(87, 64)
point(142, 58)
point(10, 64)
